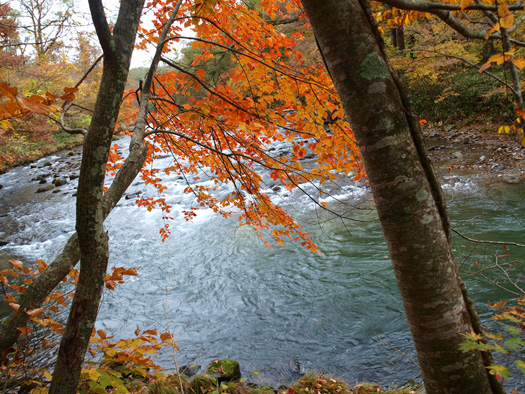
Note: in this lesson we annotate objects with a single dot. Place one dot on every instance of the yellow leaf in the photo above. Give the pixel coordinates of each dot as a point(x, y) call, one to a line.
point(111, 352)
point(506, 18)
point(94, 374)
point(39, 390)
point(500, 130)
point(495, 28)
point(4, 124)
point(48, 376)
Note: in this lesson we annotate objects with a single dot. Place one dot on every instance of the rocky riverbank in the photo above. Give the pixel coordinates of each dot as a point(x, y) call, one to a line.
point(491, 158)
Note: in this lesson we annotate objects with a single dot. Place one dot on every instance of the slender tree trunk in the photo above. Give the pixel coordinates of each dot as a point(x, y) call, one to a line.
point(68, 258)
point(93, 241)
point(44, 284)
point(406, 194)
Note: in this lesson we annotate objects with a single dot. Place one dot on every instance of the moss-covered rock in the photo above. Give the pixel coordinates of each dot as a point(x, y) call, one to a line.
point(224, 370)
point(45, 188)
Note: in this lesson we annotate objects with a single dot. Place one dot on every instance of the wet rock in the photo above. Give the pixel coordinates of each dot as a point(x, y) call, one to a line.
point(71, 153)
point(45, 188)
point(73, 176)
point(511, 179)
point(4, 243)
point(1, 186)
point(224, 370)
point(47, 164)
point(189, 370)
point(276, 189)
point(308, 156)
point(59, 182)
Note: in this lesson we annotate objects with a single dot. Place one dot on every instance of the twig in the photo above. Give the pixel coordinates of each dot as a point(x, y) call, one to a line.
point(397, 350)
point(479, 241)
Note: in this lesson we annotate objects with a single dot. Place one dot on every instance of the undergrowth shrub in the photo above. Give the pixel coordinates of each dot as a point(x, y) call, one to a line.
point(462, 96)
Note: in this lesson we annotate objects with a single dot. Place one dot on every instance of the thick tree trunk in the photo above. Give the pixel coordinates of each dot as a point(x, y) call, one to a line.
point(93, 241)
point(408, 204)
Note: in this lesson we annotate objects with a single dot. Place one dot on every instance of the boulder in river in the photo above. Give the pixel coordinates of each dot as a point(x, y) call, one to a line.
point(45, 188)
point(224, 370)
point(59, 182)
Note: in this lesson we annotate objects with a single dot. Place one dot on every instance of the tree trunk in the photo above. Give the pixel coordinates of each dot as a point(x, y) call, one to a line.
point(405, 192)
point(93, 241)
point(44, 284)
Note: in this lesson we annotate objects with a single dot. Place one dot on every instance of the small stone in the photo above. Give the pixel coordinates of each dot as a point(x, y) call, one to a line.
point(189, 370)
point(458, 155)
point(482, 158)
point(45, 188)
point(73, 176)
point(47, 164)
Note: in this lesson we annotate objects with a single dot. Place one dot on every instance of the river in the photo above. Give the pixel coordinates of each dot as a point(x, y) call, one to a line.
point(281, 311)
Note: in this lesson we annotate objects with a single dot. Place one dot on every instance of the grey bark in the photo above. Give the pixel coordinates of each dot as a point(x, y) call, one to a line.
point(93, 240)
point(70, 255)
point(410, 208)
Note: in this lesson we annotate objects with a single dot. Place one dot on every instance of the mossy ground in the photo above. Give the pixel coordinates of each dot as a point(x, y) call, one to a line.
point(311, 383)
point(18, 149)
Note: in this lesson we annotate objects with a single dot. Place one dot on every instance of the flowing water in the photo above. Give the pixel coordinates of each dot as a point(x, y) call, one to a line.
point(280, 311)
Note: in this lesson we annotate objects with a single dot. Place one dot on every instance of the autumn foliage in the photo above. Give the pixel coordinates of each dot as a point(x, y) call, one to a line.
point(227, 125)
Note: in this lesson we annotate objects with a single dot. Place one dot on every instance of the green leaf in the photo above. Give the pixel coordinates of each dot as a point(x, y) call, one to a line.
point(501, 370)
point(520, 364)
point(105, 380)
point(512, 344)
point(515, 331)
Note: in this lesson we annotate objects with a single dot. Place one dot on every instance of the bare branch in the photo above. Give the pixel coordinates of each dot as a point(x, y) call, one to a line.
point(479, 241)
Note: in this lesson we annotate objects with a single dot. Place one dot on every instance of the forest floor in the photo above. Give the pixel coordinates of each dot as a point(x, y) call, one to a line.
point(491, 157)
